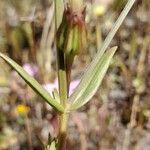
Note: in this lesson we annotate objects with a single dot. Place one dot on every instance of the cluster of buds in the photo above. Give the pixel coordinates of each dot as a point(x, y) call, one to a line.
point(71, 35)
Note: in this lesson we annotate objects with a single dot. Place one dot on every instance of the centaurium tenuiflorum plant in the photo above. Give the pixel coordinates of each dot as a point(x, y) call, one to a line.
point(70, 40)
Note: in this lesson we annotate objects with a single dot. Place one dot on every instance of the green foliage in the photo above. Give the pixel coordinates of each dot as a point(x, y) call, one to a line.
point(84, 92)
point(92, 79)
point(93, 75)
point(33, 83)
point(52, 144)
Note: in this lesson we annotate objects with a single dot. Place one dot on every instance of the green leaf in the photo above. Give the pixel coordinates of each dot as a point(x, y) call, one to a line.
point(59, 9)
point(52, 143)
point(33, 83)
point(75, 97)
point(91, 81)
point(115, 28)
point(52, 146)
point(56, 95)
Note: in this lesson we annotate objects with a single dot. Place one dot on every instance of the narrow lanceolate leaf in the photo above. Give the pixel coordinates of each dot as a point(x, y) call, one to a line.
point(75, 97)
point(90, 83)
point(59, 9)
point(115, 28)
point(33, 83)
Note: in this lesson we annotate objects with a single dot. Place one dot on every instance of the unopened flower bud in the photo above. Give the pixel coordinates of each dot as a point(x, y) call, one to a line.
point(76, 5)
point(71, 35)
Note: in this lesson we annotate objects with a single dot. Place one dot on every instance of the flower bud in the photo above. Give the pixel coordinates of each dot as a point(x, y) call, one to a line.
point(71, 35)
point(76, 5)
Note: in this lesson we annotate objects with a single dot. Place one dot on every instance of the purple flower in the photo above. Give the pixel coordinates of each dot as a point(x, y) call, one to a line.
point(51, 86)
point(73, 86)
point(30, 69)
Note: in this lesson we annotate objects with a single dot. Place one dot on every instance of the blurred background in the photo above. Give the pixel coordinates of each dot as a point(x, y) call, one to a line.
point(117, 117)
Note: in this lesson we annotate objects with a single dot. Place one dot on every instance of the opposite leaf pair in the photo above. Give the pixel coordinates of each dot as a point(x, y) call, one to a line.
point(90, 80)
point(87, 91)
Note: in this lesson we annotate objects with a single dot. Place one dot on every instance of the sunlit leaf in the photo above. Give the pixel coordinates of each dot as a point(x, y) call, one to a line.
point(115, 28)
point(33, 83)
point(75, 97)
point(90, 83)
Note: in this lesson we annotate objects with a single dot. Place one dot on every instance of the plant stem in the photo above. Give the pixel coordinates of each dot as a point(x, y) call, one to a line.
point(98, 33)
point(63, 92)
point(63, 117)
point(63, 84)
point(62, 77)
point(62, 132)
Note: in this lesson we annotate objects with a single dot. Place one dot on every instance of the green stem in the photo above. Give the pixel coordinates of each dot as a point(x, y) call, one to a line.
point(63, 92)
point(62, 77)
point(98, 33)
point(63, 117)
point(62, 132)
